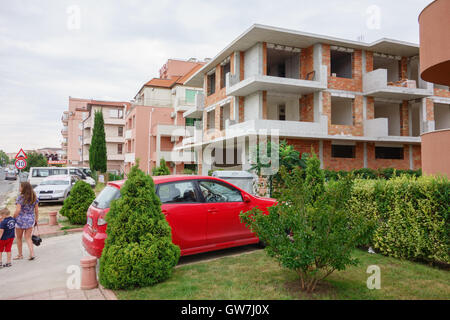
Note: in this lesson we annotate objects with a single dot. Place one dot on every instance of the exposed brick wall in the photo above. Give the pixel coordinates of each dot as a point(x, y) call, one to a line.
point(370, 108)
point(241, 109)
point(264, 45)
point(430, 109)
point(442, 93)
point(417, 157)
point(346, 164)
point(307, 108)
point(306, 61)
point(354, 84)
point(264, 106)
point(304, 145)
point(356, 129)
point(403, 68)
point(369, 61)
point(241, 65)
point(404, 119)
point(373, 163)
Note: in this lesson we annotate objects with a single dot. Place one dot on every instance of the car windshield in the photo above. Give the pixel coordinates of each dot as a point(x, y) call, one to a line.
point(105, 197)
point(55, 183)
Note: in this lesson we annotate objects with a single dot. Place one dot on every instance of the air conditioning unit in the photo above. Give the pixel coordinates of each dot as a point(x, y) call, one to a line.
point(173, 139)
point(173, 115)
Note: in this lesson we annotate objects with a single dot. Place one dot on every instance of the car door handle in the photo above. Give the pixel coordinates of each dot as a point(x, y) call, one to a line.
point(213, 210)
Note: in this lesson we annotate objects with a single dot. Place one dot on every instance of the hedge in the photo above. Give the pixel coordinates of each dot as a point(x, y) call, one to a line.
point(409, 216)
point(78, 202)
point(366, 173)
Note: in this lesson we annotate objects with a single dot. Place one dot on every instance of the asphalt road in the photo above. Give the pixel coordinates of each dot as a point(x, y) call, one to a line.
point(6, 186)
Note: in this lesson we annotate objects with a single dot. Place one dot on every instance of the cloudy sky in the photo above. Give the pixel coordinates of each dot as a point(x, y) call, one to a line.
point(106, 49)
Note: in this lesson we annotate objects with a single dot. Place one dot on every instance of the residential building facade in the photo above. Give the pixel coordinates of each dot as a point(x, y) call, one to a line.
point(114, 123)
point(155, 123)
point(356, 105)
point(72, 132)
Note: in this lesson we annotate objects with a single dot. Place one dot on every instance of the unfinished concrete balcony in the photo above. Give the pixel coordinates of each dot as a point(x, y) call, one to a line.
point(171, 130)
point(376, 84)
point(65, 117)
point(176, 156)
point(378, 130)
point(317, 81)
point(196, 110)
point(290, 129)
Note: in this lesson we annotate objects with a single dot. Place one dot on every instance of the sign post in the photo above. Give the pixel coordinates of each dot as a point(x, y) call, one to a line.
point(21, 162)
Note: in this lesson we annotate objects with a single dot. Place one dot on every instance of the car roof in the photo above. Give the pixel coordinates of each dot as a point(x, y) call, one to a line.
point(170, 178)
point(58, 177)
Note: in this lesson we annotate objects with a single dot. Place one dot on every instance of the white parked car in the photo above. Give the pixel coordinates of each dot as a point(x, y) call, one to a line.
point(38, 174)
point(55, 188)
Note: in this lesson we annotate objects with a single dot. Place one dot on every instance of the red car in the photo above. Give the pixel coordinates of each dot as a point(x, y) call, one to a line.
point(202, 211)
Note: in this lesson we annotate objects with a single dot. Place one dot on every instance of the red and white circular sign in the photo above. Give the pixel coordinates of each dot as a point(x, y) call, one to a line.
point(20, 163)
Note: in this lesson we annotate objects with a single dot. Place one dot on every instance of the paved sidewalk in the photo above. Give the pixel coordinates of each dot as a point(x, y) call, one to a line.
point(68, 294)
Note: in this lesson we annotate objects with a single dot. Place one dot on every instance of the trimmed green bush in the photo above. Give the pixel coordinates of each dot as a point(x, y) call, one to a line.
point(366, 173)
point(410, 216)
point(78, 202)
point(138, 251)
point(162, 170)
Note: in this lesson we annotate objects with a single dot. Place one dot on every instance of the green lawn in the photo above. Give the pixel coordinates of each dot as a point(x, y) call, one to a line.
point(256, 276)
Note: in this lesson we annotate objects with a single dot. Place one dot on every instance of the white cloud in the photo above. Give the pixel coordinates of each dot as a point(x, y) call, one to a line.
point(122, 44)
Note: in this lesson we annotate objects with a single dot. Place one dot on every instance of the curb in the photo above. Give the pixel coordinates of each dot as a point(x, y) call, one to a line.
point(108, 294)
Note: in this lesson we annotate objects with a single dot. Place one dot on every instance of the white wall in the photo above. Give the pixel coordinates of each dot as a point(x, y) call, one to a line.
point(253, 61)
point(392, 112)
point(158, 97)
point(253, 106)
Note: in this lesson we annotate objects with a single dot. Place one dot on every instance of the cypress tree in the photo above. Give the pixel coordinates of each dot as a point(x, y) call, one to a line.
point(97, 150)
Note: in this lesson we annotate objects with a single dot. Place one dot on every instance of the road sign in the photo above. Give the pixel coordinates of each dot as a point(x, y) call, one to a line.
point(21, 154)
point(21, 163)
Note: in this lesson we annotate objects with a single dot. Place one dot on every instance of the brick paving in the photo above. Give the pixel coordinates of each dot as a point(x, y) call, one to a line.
point(71, 294)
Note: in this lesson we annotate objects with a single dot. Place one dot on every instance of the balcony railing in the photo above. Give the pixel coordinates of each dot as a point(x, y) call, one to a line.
point(376, 84)
point(129, 157)
point(128, 134)
point(259, 82)
point(197, 110)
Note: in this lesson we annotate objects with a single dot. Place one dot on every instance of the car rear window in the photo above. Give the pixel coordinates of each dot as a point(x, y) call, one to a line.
point(105, 197)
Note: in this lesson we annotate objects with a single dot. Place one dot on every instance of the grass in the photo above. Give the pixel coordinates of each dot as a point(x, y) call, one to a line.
point(66, 225)
point(255, 276)
point(99, 187)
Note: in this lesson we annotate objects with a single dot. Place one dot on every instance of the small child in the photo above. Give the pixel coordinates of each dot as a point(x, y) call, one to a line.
point(7, 234)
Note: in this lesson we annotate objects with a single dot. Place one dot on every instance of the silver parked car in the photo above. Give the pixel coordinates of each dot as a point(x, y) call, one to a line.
point(55, 188)
point(10, 174)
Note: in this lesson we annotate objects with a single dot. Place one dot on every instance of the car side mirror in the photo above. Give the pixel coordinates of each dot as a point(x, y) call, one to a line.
point(247, 198)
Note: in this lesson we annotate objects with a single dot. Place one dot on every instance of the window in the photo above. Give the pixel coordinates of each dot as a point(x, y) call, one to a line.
point(223, 73)
point(211, 84)
point(282, 112)
point(341, 111)
point(224, 115)
point(211, 115)
point(218, 192)
point(105, 197)
point(190, 95)
point(190, 122)
point(116, 113)
point(341, 64)
point(389, 153)
point(59, 171)
point(119, 148)
point(340, 151)
point(120, 131)
point(177, 192)
point(41, 173)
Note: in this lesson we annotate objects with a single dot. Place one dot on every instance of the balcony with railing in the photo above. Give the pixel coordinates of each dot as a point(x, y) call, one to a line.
point(196, 111)
point(376, 84)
